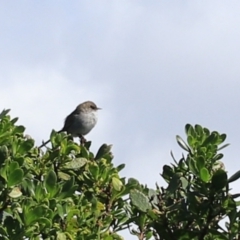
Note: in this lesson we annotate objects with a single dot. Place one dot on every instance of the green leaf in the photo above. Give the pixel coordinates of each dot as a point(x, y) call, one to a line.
point(133, 183)
point(61, 236)
point(117, 184)
point(4, 113)
point(29, 185)
point(153, 195)
point(204, 175)
point(14, 120)
point(222, 147)
point(51, 182)
point(63, 175)
point(26, 145)
point(206, 132)
point(44, 222)
point(184, 182)
point(3, 154)
point(40, 192)
point(3, 233)
point(87, 144)
point(218, 157)
point(12, 166)
point(200, 162)
point(222, 138)
point(84, 152)
point(215, 234)
point(76, 163)
point(212, 139)
point(182, 234)
point(68, 147)
point(182, 164)
point(120, 167)
point(53, 137)
point(68, 189)
point(141, 221)
point(18, 129)
point(60, 211)
point(237, 195)
point(173, 184)
point(149, 234)
point(140, 201)
point(191, 141)
point(20, 160)
point(198, 130)
point(188, 128)
point(192, 165)
point(219, 179)
point(68, 184)
point(72, 213)
point(182, 144)
point(109, 238)
point(114, 236)
point(234, 177)
point(34, 214)
point(103, 150)
point(167, 173)
point(94, 170)
point(15, 177)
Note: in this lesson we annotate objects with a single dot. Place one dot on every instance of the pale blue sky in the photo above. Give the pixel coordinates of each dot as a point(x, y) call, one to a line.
point(153, 66)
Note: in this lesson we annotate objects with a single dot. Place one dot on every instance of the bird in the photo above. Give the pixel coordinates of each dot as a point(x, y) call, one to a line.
point(80, 122)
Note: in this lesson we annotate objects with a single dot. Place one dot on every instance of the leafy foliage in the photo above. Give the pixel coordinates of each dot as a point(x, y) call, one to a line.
point(197, 197)
point(64, 192)
point(67, 192)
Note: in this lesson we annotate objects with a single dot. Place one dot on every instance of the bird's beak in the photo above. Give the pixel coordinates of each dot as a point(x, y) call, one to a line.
point(99, 108)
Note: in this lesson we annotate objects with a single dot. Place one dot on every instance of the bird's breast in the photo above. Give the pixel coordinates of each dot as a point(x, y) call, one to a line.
point(83, 123)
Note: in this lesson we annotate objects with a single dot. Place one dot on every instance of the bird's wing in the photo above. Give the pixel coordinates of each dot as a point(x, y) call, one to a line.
point(68, 122)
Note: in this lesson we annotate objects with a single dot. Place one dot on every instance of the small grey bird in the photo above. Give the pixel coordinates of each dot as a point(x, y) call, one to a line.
point(81, 121)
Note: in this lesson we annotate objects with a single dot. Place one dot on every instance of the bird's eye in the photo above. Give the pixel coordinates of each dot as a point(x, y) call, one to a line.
point(92, 107)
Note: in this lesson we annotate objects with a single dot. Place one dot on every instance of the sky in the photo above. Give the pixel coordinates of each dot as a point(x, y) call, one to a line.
point(152, 66)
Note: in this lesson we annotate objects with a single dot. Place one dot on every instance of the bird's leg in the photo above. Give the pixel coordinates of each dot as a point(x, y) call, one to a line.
point(82, 140)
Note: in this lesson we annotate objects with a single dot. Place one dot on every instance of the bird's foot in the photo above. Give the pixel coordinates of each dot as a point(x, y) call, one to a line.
point(82, 140)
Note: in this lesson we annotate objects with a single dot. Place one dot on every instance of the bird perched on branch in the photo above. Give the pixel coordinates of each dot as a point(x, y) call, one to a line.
point(81, 121)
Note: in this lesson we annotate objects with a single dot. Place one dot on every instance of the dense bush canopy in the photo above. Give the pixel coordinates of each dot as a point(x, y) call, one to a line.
point(67, 192)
